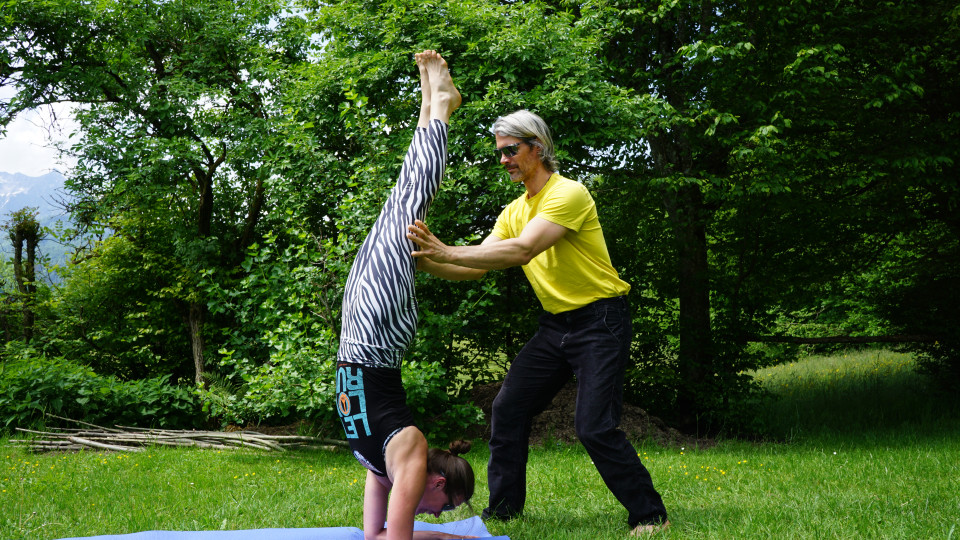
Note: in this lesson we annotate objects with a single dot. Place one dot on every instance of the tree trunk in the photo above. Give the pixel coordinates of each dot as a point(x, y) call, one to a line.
point(30, 286)
point(25, 231)
point(695, 355)
point(195, 320)
point(204, 222)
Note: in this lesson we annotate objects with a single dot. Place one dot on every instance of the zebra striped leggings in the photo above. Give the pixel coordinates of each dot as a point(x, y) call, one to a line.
point(379, 303)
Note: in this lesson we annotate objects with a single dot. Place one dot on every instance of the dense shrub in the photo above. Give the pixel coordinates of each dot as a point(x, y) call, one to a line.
point(278, 332)
point(441, 417)
point(32, 386)
point(296, 383)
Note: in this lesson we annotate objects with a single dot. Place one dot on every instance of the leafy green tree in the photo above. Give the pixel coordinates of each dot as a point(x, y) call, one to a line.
point(769, 134)
point(176, 121)
point(25, 233)
point(111, 317)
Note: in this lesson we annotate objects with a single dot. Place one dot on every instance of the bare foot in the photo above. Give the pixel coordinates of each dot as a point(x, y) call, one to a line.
point(644, 530)
point(445, 98)
point(425, 91)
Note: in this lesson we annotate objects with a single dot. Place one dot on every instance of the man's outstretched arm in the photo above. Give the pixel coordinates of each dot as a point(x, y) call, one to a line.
point(493, 253)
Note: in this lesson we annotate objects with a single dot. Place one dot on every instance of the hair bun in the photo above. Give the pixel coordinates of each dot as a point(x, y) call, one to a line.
point(460, 446)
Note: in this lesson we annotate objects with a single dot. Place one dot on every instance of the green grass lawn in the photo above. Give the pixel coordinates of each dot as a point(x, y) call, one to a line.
point(867, 451)
point(849, 393)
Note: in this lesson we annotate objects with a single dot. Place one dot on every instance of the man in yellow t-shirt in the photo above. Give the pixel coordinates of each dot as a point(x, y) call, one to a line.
point(553, 233)
point(580, 256)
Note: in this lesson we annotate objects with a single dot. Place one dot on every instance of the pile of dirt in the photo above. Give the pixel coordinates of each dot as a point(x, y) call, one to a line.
point(555, 423)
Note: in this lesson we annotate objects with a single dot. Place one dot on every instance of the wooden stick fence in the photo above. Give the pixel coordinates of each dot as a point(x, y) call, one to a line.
point(130, 439)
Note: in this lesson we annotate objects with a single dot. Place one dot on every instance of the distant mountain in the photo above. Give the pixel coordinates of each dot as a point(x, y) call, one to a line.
point(18, 191)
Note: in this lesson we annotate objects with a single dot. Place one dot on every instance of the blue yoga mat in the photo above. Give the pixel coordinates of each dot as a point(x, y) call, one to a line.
point(467, 527)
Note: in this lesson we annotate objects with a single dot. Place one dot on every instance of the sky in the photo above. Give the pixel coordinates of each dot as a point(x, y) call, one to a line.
point(26, 148)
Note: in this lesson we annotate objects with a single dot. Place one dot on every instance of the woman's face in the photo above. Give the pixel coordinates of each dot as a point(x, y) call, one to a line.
point(435, 499)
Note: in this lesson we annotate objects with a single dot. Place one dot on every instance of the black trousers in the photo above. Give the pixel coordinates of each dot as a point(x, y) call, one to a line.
point(593, 343)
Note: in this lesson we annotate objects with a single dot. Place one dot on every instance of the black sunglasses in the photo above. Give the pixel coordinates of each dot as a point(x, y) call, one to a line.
point(509, 150)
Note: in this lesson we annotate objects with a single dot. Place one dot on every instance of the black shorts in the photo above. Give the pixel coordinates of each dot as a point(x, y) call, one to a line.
point(372, 406)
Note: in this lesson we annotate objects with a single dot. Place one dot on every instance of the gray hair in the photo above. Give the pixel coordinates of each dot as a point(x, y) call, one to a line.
point(529, 127)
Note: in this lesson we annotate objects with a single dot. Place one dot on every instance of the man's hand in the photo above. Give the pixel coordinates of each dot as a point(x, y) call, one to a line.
point(429, 245)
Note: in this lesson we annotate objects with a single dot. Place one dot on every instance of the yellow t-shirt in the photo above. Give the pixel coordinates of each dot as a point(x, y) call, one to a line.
point(577, 269)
